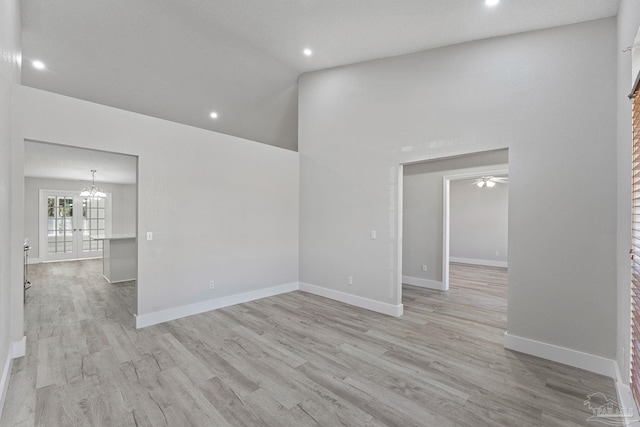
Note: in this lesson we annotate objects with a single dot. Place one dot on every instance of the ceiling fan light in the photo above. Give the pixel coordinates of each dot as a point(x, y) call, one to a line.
point(480, 184)
point(490, 183)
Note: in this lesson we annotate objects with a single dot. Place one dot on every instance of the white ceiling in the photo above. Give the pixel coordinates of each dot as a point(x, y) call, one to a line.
point(61, 162)
point(181, 59)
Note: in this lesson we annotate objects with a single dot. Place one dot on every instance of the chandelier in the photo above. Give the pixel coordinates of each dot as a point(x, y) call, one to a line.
point(93, 192)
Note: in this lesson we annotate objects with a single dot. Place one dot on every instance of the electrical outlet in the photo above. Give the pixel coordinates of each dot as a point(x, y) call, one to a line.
point(211, 284)
point(374, 235)
point(424, 267)
point(350, 280)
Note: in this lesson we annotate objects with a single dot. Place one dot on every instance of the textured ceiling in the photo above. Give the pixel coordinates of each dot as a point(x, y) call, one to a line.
point(181, 59)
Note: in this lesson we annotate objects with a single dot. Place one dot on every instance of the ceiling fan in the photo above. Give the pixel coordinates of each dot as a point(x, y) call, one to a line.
point(490, 181)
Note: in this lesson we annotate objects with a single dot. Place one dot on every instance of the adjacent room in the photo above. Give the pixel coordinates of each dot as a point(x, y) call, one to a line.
point(454, 210)
point(319, 213)
point(68, 216)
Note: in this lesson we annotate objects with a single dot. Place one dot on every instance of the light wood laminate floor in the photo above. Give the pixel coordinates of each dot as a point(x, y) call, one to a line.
point(289, 360)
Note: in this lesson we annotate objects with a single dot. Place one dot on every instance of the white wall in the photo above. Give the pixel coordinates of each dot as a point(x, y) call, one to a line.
point(9, 74)
point(624, 31)
point(423, 209)
point(479, 223)
point(548, 96)
point(220, 208)
point(628, 23)
point(123, 206)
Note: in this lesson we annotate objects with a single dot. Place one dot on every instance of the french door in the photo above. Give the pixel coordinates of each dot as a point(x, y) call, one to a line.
point(68, 224)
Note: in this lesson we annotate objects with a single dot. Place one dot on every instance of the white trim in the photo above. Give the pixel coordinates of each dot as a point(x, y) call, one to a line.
point(118, 281)
point(42, 222)
point(446, 222)
point(69, 260)
point(4, 380)
point(144, 320)
point(369, 304)
point(19, 348)
point(399, 233)
point(486, 262)
point(626, 400)
point(423, 283)
point(567, 356)
point(34, 261)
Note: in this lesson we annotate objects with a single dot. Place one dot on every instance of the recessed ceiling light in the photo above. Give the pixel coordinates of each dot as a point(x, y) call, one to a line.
point(491, 2)
point(38, 65)
point(213, 115)
point(307, 52)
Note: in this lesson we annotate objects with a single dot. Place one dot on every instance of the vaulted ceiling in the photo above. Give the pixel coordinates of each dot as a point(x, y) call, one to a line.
point(180, 60)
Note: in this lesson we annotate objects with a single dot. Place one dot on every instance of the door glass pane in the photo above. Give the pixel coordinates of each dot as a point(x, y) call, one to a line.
point(51, 203)
point(93, 223)
point(59, 224)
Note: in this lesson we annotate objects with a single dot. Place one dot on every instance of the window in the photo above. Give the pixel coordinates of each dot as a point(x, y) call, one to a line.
point(635, 253)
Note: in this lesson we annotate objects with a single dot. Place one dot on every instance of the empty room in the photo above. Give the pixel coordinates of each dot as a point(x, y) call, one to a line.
point(319, 213)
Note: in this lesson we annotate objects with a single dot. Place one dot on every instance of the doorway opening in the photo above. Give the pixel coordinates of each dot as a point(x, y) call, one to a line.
point(61, 223)
point(425, 224)
point(475, 228)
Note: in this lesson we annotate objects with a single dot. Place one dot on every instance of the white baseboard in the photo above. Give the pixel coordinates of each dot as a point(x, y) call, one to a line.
point(4, 380)
point(578, 359)
point(117, 281)
point(423, 283)
point(19, 348)
point(161, 316)
point(369, 304)
point(626, 400)
point(485, 262)
point(34, 261)
point(69, 260)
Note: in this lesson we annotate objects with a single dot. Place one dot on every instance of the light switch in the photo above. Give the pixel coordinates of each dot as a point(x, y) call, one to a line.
point(374, 235)
point(149, 235)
